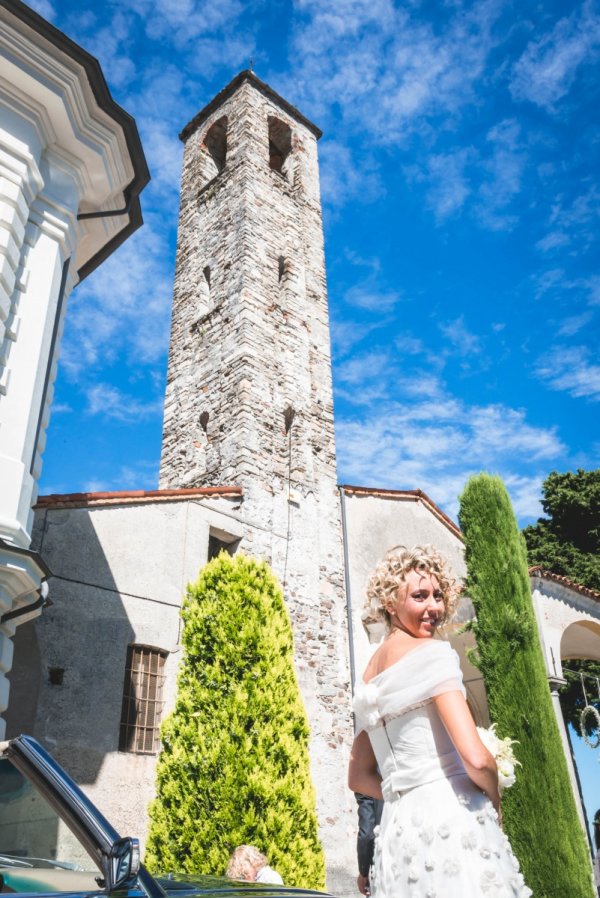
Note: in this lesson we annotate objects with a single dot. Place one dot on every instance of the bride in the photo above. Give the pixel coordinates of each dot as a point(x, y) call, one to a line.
point(418, 748)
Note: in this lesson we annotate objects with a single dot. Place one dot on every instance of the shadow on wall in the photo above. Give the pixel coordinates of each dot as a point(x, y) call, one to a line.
point(69, 664)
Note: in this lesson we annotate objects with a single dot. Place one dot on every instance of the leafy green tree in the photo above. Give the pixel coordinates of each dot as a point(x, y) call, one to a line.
point(539, 811)
point(571, 696)
point(234, 767)
point(567, 540)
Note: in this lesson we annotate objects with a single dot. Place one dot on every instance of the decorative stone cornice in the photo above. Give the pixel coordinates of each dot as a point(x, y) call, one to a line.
point(60, 91)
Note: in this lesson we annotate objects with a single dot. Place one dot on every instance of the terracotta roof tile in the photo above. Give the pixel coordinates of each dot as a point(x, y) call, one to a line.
point(130, 497)
point(537, 571)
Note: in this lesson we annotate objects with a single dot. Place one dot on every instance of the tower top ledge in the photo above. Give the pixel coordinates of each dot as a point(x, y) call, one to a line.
point(263, 88)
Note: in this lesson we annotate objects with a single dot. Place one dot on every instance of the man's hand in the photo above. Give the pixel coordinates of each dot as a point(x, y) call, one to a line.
point(363, 884)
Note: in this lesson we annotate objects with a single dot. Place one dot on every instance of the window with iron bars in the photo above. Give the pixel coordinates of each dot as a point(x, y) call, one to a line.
point(142, 706)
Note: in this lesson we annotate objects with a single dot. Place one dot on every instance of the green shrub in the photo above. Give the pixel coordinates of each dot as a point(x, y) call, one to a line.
point(539, 811)
point(234, 766)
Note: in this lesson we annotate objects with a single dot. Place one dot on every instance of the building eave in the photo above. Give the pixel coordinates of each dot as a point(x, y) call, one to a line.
point(538, 572)
point(407, 496)
point(136, 497)
point(247, 76)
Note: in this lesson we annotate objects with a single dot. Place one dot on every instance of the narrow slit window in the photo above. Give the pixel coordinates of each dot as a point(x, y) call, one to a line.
point(142, 706)
point(280, 145)
point(204, 290)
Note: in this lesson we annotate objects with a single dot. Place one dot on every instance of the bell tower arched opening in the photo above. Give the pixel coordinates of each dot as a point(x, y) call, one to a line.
point(280, 145)
point(215, 146)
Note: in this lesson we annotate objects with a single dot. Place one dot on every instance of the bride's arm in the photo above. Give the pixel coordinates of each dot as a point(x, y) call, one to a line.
point(479, 762)
point(363, 775)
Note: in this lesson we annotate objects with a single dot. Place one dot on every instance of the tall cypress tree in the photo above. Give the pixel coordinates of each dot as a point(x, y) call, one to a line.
point(539, 811)
point(234, 768)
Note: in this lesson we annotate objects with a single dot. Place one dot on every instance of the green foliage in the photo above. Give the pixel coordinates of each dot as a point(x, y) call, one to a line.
point(234, 766)
point(571, 696)
point(567, 540)
point(539, 811)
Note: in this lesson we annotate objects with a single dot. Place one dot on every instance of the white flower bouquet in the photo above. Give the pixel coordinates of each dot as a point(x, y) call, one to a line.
point(502, 750)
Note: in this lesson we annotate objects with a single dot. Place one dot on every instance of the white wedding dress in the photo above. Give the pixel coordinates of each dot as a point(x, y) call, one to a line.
point(439, 835)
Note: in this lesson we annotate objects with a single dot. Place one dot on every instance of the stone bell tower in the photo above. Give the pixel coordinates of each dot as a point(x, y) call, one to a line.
point(249, 397)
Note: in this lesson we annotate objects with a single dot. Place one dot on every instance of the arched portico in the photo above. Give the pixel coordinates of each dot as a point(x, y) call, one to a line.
point(568, 617)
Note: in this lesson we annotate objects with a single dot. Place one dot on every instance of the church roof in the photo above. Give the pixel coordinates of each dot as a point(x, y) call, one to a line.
point(134, 497)
point(538, 571)
point(263, 87)
point(406, 495)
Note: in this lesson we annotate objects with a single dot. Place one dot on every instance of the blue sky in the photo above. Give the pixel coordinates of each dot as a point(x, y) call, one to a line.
point(460, 190)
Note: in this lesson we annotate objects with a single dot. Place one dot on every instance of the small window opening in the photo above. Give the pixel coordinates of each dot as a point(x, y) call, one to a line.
point(285, 267)
point(280, 144)
point(219, 541)
point(142, 705)
point(215, 143)
point(204, 290)
point(56, 675)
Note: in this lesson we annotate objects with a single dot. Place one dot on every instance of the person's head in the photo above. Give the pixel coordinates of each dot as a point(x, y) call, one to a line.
point(245, 862)
point(411, 589)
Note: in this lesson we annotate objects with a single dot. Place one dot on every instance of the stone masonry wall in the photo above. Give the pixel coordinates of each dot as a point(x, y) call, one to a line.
point(244, 348)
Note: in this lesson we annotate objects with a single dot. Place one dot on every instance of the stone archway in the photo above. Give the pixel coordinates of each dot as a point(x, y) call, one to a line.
point(581, 640)
point(568, 617)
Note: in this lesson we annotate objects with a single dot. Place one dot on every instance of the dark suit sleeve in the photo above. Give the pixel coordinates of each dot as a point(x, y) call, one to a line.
point(369, 815)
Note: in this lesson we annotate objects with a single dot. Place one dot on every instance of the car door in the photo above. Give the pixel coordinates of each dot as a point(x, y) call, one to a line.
point(52, 837)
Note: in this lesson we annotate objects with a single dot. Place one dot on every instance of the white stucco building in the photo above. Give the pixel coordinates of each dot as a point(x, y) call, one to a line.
point(71, 171)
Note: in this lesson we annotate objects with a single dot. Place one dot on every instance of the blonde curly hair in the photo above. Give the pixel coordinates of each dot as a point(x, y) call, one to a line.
point(390, 575)
point(245, 862)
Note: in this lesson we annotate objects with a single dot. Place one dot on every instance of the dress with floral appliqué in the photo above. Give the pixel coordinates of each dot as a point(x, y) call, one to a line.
point(439, 835)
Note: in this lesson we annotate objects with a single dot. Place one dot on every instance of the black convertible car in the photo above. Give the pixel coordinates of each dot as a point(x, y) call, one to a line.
point(54, 841)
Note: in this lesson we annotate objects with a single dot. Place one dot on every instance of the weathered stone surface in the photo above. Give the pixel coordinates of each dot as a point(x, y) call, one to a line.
point(250, 355)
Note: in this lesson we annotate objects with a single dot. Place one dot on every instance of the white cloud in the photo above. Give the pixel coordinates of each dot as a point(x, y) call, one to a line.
point(436, 444)
point(487, 179)
point(553, 240)
point(569, 370)
point(122, 309)
point(44, 8)
point(370, 296)
point(449, 185)
point(347, 334)
point(503, 171)
point(110, 402)
point(547, 69)
point(461, 341)
point(363, 368)
point(141, 475)
point(574, 323)
point(345, 176)
point(408, 344)
point(347, 52)
point(573, 222)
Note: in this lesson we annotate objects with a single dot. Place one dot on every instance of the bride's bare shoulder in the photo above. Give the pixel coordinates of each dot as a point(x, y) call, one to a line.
point(391, 651)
